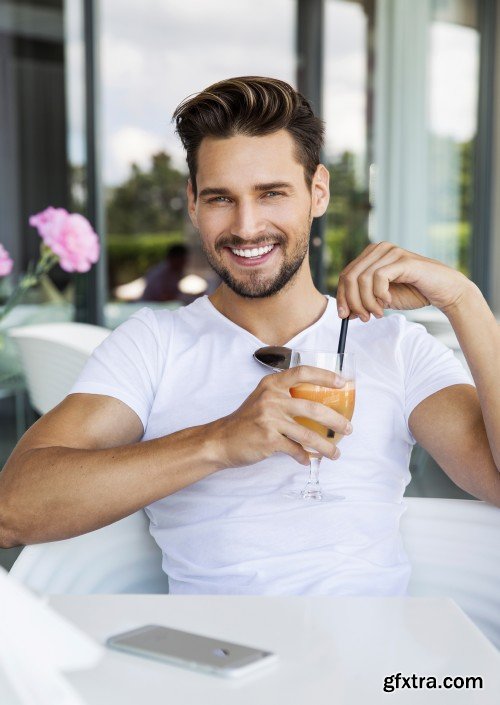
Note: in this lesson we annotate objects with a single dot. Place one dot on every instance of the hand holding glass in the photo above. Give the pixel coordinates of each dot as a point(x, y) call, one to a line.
point(340, 400)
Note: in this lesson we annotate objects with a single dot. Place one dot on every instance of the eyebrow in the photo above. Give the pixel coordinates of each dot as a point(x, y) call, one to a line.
point(271, 186)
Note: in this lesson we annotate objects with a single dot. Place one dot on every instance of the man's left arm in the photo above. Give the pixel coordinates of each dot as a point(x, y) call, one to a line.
point(449, 425)
point(459, 425)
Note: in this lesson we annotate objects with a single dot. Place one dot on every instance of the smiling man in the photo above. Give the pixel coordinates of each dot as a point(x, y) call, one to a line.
point(173, 414)
point(262, 267)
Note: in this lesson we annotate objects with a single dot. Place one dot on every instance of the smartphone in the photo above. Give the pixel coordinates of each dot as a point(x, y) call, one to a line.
point(199, 653)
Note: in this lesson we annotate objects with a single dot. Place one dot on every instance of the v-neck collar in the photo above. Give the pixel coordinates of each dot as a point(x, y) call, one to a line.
point(215, 312)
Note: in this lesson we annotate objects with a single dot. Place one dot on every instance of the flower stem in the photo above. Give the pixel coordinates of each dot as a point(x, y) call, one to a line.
point(47, 260)
point(15, 298)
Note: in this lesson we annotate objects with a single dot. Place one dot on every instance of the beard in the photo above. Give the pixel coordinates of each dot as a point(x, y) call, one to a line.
point(256, 285)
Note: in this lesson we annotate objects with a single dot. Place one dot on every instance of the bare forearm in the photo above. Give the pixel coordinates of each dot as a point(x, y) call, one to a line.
point(479, 336)
point(78, 469)
point(56, 492)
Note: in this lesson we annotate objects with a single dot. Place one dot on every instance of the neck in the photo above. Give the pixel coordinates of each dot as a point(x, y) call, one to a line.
point(277, 319)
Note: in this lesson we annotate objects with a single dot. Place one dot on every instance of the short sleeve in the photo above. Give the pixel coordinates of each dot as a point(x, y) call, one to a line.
point(127, 365)
point(428, 365)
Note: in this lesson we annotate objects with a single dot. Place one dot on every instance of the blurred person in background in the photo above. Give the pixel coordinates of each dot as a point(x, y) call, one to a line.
point(162, 280)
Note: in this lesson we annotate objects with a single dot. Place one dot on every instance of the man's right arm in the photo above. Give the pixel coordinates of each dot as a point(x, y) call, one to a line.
point(83, 464)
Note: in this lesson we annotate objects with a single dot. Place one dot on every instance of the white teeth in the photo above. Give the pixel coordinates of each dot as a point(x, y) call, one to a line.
point(254, 252)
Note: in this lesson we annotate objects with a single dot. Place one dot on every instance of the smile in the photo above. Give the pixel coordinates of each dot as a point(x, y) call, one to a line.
point(253, 252)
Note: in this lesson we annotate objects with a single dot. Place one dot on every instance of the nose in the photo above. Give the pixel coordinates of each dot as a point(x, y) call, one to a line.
point(247, 221)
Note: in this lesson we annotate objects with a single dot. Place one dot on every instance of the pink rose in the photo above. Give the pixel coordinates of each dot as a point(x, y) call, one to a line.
point(69, 236)
point(6, 263)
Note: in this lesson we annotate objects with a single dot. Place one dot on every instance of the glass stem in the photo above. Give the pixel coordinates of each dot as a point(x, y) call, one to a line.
point(312, 490)
point(314, 463)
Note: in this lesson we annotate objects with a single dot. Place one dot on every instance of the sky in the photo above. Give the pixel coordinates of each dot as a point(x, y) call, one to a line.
point(156, 55)
point(156, 52)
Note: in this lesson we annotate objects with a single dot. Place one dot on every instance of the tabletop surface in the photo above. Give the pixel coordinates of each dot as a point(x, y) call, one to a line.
point(330, 649)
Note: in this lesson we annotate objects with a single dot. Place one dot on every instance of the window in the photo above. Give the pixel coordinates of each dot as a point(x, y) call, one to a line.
point(427, 77)
point(347, 113)
point(153, 56)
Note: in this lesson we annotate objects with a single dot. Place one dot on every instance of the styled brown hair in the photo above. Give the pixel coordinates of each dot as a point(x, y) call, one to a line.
point(253, 106)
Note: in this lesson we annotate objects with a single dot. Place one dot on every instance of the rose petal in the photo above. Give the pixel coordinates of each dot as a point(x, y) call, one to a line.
point(6, 263)
point(70, 236)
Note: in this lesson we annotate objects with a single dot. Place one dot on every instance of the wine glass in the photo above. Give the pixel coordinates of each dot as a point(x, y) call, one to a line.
point(339, 399)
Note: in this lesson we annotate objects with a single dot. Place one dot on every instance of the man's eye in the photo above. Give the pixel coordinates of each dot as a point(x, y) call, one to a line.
point(273, 194)
point(218, 199)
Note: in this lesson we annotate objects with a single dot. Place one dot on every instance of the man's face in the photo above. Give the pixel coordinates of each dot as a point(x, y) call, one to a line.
point(254, 210)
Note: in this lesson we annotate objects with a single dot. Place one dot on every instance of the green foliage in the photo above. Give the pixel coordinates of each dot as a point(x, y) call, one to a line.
point(445, 236)
point(347, 218)
point(152, 201)
point(466, 178)
point(451, 179)
point(130, 256)
point(148, 212)
point(451, 186)
point(335, 246)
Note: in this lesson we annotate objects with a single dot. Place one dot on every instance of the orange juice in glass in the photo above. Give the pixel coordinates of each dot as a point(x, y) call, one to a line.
point(340, 400)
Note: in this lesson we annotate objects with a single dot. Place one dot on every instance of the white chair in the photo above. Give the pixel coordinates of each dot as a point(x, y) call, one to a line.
point(119, 558)
point(453, 546)
point(53, 355)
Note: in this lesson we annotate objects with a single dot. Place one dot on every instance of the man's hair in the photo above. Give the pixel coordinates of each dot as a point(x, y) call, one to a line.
point(252, 106)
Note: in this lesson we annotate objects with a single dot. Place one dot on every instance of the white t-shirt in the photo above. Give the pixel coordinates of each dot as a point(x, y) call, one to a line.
point(234, 532)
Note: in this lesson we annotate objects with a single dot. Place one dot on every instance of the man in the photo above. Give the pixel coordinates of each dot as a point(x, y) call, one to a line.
point(173, 414)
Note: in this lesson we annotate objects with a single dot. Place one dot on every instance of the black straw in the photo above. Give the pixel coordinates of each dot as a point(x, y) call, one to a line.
point(342, 338)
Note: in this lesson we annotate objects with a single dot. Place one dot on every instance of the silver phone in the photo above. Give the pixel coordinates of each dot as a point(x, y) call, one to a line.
point(191, 650)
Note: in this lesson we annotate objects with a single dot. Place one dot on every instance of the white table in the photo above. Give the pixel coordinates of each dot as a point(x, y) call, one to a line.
point(333, 651)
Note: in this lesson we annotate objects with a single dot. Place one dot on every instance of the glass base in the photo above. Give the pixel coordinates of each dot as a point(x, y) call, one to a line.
point(314, 494)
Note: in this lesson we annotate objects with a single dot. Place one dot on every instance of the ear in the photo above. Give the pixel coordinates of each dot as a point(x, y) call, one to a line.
point(191, 203)
point(320, 191)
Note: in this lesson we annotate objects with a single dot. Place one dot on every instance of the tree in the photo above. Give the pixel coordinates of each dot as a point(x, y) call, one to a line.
point(150, 201)
point(347, 216)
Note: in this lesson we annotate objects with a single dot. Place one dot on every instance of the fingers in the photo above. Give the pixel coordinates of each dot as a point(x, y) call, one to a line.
point(364, 284)
point(294, 450)
point(297, 452)
point(353, 297)
point(309, 439)
point(374, 282)
point(396, 272)
point(320, 413)
point(375, 250)
point(306, 374)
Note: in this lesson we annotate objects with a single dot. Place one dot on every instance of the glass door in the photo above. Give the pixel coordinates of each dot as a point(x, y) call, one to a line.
point(154, 54)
